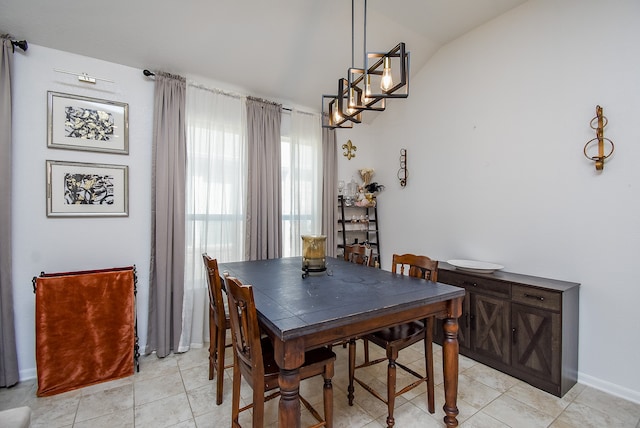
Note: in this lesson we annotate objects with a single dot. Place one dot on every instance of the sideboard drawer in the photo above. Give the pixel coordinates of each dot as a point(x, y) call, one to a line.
point(544, 299)
point(480, 284)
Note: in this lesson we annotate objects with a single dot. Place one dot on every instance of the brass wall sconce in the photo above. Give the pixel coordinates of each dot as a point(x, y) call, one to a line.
point(403, 172)
point(349, 150)
point(598, 123)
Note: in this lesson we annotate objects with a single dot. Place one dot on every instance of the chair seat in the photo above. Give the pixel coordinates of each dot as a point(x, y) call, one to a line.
point(314, 360)
point(403, 332)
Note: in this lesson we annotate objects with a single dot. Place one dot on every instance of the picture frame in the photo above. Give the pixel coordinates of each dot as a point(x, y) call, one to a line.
point(76, 122)
point(76, 189)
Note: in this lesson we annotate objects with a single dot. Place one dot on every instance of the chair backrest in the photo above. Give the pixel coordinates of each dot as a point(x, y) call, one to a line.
point(359, 254)
point(245, 332)
point(215, 289)
point(419, 266)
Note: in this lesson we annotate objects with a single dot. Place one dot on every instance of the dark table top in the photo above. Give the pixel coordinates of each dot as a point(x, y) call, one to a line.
point(347, 292)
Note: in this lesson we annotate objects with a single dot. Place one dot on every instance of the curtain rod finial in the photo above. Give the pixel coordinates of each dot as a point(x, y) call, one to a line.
point(22, 44)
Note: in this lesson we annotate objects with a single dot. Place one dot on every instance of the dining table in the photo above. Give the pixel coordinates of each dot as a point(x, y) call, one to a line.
point(300, 312)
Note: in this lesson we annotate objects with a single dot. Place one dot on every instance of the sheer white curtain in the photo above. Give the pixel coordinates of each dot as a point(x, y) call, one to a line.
point(301, 180)
point(215, 199)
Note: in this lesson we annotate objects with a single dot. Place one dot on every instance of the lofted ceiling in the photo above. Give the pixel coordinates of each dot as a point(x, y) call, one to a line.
point(290, 51)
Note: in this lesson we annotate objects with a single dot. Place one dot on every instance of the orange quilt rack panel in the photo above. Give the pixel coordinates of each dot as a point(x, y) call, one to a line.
point(85, 328)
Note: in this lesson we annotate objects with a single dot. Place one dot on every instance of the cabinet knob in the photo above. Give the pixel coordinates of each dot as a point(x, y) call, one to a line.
point(534, 296)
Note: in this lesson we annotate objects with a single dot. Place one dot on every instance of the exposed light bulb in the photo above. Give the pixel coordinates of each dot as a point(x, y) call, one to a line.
point(336, 114)
point(351, 109)
point(387, 81)
point(367, 91)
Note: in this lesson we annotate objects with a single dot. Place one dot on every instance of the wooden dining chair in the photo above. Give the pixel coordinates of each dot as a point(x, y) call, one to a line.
point(359, 254)
point(218, 325)
point(254, 360)
point(394, 339)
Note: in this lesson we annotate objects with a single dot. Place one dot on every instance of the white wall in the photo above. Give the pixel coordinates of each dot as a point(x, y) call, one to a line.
point(67, 244)
point(495, 126)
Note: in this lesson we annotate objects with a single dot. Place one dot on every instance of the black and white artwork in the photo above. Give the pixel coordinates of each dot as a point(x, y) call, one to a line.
point(90, 124)
point(77, 189)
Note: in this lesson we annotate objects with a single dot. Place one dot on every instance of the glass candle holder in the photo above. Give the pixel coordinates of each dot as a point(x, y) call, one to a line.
point(314, 253)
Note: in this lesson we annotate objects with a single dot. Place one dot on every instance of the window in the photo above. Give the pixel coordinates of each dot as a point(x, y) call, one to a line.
point(301, 179)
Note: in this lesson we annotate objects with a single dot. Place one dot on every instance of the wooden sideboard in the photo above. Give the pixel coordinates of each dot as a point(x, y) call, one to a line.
point(522, 325)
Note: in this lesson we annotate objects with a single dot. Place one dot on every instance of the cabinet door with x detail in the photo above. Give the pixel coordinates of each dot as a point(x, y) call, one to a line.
point(535, 337)
point(490, 327)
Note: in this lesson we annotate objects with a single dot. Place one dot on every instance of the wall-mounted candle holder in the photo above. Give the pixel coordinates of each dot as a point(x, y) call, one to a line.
point(403, 172)
point(598, 123)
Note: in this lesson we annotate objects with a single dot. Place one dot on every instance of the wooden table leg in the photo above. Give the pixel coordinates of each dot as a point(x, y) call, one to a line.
point(289, 356)
point(450, 367)
point(289, 406)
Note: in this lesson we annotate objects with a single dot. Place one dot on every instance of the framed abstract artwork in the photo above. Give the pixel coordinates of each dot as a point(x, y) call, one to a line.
point(75, 122)
point(77, 189)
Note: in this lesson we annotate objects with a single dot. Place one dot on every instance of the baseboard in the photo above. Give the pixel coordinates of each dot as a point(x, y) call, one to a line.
point(27, 374)
point(609, 388)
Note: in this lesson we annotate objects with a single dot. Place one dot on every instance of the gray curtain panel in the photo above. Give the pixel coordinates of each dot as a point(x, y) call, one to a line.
point(8, 354)
point(264, 202)
point(166, 276)
point(329, 188)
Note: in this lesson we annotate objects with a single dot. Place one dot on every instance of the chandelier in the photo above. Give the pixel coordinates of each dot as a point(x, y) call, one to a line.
point(382, 75)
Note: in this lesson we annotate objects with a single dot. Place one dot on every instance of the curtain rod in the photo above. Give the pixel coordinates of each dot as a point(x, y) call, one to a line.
point(149, 73)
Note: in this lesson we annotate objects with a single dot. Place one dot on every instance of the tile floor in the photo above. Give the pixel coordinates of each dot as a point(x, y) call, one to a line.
point(176, 392)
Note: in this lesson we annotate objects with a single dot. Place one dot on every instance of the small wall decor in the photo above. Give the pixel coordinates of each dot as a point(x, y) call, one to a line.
point(350, 150)
point(598, 123)
point(87, 190)
point(82, 123)
point(402, 172)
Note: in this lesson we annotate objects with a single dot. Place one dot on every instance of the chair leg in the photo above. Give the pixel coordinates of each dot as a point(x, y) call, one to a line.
point(235, 399)
point(327, 393)
point(221, 333)
point(366, 350)
point(428, 352)
point(212, 342)
point(352, 367)
point(258, 407)
point(391, 391)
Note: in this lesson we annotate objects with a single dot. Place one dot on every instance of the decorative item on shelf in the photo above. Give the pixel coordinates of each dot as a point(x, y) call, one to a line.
point(403, 172)
point(386, 71)
point(366, 200)
point(340, 187)
point(349, 150)
point(374, 188)
point(366, 174)
point(313, 254)
point(600, 122)
point(351, 193)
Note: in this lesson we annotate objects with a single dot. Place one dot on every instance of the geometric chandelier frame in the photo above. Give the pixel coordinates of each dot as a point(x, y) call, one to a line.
point(383, 75)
